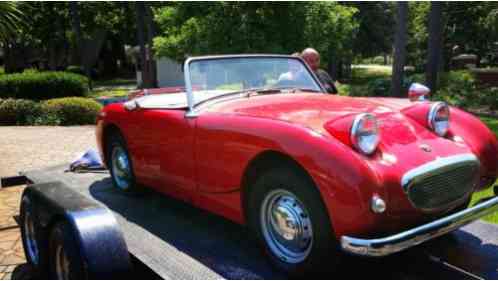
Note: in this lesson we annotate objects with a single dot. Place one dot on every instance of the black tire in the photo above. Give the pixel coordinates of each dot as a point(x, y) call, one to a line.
point(63, 245)
point(324, 254)
point(34, 238)
point(116, 141)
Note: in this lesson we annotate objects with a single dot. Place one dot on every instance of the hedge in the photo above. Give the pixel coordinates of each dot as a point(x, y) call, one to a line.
point(72, 111)
point(42, 85)
point(61, 111)
point(19, 112)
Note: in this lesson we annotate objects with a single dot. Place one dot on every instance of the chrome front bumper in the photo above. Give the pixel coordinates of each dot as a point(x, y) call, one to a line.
point(409, 238)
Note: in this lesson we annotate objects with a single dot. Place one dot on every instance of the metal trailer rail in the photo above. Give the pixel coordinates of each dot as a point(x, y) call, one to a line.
point(177, 241)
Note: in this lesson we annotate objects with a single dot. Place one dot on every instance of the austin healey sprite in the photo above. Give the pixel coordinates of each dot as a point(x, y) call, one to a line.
point(257, 140)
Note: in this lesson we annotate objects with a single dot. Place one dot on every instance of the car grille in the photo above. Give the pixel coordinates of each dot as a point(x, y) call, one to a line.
point(437, 187)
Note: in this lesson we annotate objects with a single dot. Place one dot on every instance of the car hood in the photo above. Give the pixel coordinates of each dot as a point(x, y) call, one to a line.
point(310, 110)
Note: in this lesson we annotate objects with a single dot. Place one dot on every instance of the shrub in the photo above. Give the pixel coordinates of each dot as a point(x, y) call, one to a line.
point(19, 112)
point(42, 85)
point(382, 87)
point(71, 111)
point(490, 97)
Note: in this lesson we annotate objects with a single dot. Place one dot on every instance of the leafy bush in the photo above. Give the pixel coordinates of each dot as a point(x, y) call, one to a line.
point(71, 111)
point(490, 97)
point(42, 85)
point(455, 87)
point(19, 112)
point(382, 87)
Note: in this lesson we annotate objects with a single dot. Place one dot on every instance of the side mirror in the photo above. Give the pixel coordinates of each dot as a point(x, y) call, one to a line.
point(418, 92)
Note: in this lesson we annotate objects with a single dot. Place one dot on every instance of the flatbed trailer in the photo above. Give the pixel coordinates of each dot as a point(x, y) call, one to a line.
point(177, 241)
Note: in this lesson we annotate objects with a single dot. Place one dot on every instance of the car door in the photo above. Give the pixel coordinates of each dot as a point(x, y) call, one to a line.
point(165, 144)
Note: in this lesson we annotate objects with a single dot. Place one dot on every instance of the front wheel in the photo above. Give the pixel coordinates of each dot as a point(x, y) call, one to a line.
point(120, 164)
point(290, 220)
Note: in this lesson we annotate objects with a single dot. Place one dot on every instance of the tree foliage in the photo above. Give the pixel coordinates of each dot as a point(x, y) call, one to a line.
point(253, 27)
point(468, 27)
point(10, 19)
point(376, 28)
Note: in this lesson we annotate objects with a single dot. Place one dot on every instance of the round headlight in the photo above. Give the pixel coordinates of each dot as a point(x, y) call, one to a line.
point(439, 118)
point(365, 133)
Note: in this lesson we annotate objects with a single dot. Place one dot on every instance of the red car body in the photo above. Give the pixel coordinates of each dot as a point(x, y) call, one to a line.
point(209, 160)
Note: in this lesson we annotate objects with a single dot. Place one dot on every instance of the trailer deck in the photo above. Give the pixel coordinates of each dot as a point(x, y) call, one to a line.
point(178, 241)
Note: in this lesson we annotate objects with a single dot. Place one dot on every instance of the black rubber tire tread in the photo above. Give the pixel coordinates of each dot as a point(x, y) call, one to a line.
point(325, 254)
point(40, 269)
point(62, 233)
point(116, 139)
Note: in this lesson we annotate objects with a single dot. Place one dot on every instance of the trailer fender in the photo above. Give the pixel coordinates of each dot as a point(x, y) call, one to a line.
point(101, 243)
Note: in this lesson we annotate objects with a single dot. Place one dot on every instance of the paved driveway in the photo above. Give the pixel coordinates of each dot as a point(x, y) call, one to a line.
point(26, 148)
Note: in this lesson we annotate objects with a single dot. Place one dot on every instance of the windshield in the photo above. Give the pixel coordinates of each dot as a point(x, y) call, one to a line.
point(217, 76)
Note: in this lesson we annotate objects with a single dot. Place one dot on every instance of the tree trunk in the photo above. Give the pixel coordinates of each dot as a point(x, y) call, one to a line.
point(399, 50)
point(151, 32)
point(434, 45)
point(140, 10)
point(76, 25)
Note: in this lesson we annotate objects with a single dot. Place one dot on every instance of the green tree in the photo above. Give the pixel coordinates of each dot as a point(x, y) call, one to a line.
point(376, 29)
point(10, 19)
point(254, 27)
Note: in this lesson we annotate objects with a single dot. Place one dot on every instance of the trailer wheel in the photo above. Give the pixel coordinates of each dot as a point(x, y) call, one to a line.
point(33, 237)
point(65, 257)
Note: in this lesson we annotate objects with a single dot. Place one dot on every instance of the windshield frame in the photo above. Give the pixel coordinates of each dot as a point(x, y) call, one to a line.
point(188, 83)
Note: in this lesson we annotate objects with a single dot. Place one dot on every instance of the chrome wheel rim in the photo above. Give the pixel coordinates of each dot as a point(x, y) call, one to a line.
point(61, 263)
point(30, 234)
point(286, 226)
point(121, 169)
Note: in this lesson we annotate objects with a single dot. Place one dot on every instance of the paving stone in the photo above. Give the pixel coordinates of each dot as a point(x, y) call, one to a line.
point(26, 148)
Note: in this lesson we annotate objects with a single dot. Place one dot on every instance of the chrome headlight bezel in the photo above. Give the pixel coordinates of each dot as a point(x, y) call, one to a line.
point(365, 140)
point(439, 127)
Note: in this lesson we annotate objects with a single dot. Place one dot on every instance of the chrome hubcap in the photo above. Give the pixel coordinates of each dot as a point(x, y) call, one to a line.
point(286, 226)
point(61, 264)
point(121, 167)
point(30, 234)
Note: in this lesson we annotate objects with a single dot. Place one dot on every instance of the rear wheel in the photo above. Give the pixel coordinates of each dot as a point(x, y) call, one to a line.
point(33, 237)
point(119, 163)
point(291, 222)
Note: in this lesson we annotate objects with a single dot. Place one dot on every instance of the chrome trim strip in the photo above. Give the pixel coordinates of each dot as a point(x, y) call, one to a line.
point(406, 239)
point(435, 165)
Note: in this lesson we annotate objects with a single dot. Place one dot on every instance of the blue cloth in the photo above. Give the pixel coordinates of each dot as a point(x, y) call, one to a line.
point(90, 160)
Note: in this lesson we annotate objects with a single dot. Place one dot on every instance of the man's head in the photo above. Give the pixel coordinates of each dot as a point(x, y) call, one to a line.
point(312, 58)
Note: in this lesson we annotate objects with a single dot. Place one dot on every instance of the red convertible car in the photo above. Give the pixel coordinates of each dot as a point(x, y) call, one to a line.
point(255, 139)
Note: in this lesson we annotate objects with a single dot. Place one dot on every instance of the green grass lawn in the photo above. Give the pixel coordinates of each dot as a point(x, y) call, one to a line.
point(493, 218)
point(107, 92)
point(117, 87)
point(116, 82)
point(360, 76)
